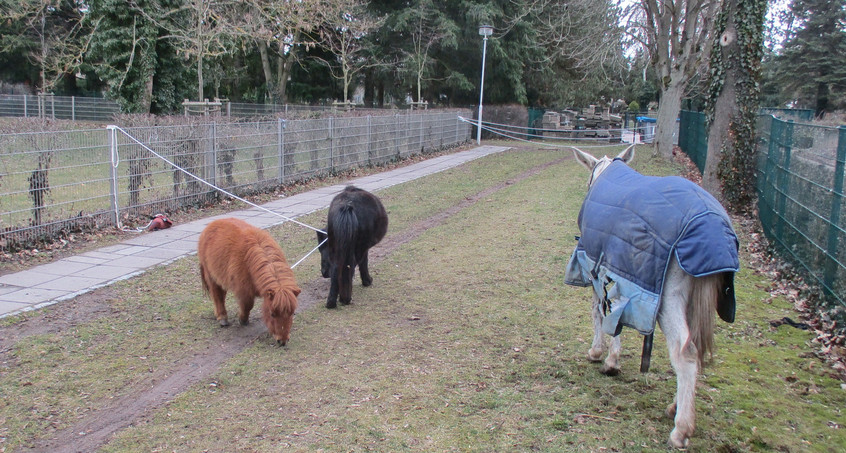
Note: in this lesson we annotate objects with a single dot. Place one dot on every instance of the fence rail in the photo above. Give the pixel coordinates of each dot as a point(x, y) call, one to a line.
point(58, 107)
point(800, 192)
point(56, 183)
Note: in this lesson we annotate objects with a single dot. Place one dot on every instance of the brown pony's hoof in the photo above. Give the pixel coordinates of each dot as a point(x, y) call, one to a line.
point(331, 304)
point(244, 322)
point(224, 323)
point(280, 343)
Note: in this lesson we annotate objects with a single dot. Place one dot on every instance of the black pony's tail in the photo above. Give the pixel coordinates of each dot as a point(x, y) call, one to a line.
point(345, 229)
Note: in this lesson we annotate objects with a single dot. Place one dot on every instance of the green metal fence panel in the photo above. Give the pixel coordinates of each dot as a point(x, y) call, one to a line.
point(800, 192)
point(693, 138)
point(800, 197)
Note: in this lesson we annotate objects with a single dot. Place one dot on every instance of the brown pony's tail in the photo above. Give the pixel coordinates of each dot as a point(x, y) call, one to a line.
point(701, 311)
point(203, 279)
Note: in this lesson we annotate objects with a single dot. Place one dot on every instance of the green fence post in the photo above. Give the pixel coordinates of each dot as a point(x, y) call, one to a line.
point(684, 129)
point(766, 201)
point(784, 181)
point(831, 262)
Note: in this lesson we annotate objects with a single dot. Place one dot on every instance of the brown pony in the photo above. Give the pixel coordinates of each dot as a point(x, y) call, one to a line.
point(236, 256)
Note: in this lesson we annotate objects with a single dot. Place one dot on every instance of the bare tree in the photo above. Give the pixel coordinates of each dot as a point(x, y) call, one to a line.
point(427, 27)
point(278, 28)
point(56, 33)
point(676, 33)
point(584, 35)
point(344, 27)
point(197, 28)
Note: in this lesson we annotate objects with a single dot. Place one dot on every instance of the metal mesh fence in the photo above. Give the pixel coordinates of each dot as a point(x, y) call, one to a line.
point(800, 192)
point(693, 137)
point(56, 183)
point(52, 183)
point(800, 185)
point(58, 107)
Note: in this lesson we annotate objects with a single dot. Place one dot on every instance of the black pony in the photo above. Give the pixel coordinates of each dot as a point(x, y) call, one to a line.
point(357, 221)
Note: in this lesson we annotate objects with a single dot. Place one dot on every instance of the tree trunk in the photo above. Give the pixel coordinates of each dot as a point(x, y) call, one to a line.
point(265, 66)
point(380, 94)
point(668, 111)
point(285, 65)
point(200, 77)
point(822, 100)
point(725, 106)
point(147, 97)
point(725, 111)
point(369, 88)
point(347, 82)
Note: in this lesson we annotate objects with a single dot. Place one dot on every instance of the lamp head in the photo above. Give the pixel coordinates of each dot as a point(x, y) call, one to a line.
point(485, 30)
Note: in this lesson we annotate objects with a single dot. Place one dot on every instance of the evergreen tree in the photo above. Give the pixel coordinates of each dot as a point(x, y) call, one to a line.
point(49, 36)
point(123, 54)
point(128, 53)
point(812, 65)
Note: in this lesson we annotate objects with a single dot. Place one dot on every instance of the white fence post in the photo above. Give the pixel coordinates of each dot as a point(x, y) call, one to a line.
point(280, 133)
point(331, 146)
point(212, 165)
point(369, 140)
point(113, 159)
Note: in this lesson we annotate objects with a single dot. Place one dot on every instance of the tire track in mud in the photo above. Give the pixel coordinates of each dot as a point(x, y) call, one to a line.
point(144, 398)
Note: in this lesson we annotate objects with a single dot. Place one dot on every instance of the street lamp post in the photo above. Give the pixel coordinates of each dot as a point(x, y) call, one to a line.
point(484, 31)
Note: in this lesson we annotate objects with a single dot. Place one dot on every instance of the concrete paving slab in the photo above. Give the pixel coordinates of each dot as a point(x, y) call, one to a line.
point(86, 259)
point(163, 253)
point(8, 308)
point(63, 267)
point(71, 284)
point(33, 296)
point(27, 278)
point(135, 262)
point(106, 273)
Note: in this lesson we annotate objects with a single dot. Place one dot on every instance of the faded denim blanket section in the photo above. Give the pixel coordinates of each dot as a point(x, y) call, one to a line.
point(631, 226)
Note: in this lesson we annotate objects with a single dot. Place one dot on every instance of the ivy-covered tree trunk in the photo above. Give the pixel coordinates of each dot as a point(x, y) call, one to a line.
point(732, 103)
point(723, 100)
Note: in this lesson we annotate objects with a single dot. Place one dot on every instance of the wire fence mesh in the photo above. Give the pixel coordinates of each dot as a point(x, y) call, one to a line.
point(800, 185)
point(58, 107)
point(56, 183)
point(800, 192)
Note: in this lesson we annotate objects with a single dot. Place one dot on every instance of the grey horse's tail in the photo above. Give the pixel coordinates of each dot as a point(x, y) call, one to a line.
point(701, 311)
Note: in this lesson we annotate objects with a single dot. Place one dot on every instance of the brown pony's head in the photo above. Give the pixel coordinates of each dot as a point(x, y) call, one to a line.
point(278, 312)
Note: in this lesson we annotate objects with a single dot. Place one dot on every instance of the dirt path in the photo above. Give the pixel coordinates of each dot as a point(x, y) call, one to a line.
point(141, 400)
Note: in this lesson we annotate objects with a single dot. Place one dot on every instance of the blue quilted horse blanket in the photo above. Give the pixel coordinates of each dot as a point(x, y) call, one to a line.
point(631, 226)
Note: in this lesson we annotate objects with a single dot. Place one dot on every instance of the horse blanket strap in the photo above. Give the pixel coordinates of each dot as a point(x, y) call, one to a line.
point(631, 226)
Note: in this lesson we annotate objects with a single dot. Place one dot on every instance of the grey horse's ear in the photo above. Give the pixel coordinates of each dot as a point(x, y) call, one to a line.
point(584, 158)
point(628, 154)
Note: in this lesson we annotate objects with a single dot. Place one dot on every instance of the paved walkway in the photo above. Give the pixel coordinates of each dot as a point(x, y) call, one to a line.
point(69, 277)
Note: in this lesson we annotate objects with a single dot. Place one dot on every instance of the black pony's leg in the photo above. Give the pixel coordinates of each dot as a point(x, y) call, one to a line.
point(332, 300)
point(366, 279)
point(345, 279)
